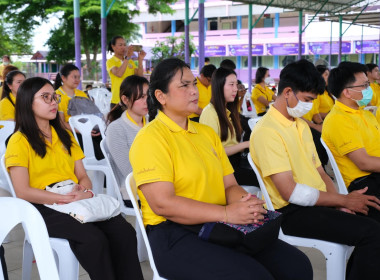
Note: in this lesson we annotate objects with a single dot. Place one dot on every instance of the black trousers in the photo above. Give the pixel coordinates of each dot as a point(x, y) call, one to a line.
point(3, 264)
point(243, 172)
point(106, 250)
point(371, 181)
point(322, 154)
point(180, 254)
point(329, 224)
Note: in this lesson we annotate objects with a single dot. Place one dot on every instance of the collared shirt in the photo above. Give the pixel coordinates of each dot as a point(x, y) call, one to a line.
point(7, 109)
point(210, 117)
point(278, 145)
point(56, 166)
point(346, 130)
point(325, 102)
point(376, 94)
point(115, 80)
point(258, 91)
point(204, 96)
point(65, 99)
point(193, 160)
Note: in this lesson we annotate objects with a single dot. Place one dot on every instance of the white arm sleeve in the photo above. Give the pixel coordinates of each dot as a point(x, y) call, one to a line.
point(304, 195)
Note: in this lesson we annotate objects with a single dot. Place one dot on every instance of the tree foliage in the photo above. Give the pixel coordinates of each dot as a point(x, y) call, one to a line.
point(171, 47)
point(24, 16)
point(12, 42)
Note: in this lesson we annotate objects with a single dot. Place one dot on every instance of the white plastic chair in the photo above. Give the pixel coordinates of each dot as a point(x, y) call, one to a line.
point(68, 265)
point(102, 99)
point(336, 255)
point(372, 109)
point(85, 124)
point(253, 121)
point(5, 132)
point(141, 249)
point(245, 112)
point(132, 193)
point(342, 189)
point(14, 211)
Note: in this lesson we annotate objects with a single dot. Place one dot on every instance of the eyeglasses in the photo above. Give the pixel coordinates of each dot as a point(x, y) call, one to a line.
point(48, 98)
point(366, 85)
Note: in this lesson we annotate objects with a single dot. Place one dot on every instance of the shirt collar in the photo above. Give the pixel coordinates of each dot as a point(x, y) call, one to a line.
point(173, 126)
point(274, 113)
point(345, 108)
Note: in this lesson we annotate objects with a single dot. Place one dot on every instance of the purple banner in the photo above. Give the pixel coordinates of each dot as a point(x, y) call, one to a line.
point(213, 51)
point(368, 46)
point(324, 47)
point(284, 49)
point(242, 50)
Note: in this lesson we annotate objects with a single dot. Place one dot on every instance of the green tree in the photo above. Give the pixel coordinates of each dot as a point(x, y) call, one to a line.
point(171, 47)
point(12, 42)
point(25, 17)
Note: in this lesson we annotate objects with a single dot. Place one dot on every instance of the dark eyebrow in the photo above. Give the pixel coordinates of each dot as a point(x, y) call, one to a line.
point(188, 82)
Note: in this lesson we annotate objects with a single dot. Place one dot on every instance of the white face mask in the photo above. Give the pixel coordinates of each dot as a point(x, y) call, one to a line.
point(301, 109)
point(269, 80)
point(6, 63)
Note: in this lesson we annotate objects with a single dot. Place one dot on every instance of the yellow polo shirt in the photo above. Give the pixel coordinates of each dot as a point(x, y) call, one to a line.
point(56, 166)
point(65, 99)
point(346, 130)
point(193, 160)
point(115, 80)
point(210, 117)
point(204, 96)
point(376, 94)
point(278, 145)
point(325, 102)
point(258, 91)
point(314, 110)
point(7, 109)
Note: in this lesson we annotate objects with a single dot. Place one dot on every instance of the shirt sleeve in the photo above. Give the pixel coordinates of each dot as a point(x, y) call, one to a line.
point(17, 152)
point(7, 110)
point(256, 93)
point(159, 167)
point(110, 64)
point(270, 151)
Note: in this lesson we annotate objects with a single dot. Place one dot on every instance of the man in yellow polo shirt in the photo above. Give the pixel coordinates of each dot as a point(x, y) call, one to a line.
point(352, 133)
point(373, 75)
point(204, 89)
point(282, 147)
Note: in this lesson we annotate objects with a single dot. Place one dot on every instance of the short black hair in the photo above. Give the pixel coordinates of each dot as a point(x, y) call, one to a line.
point(301, 76)
point(207, 59)
point(371, 66)
point(208, 70)
point(343, 76)
point(228, 64)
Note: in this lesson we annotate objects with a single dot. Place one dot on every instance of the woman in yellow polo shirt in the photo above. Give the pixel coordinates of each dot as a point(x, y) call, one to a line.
point(120, 65)
point(65, 85)
point(124, 122)
point(12, 82)
point(222, 115)
point(184, 177)
point(42, 152)
point(326, 100)
point(261, 94)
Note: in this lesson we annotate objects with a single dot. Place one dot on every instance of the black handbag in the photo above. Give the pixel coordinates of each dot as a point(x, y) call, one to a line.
point(250, 238)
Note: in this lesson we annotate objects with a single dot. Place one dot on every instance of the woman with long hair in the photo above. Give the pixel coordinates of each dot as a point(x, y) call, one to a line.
point(121, 65)
point(65, 85)
point(124, 122)
point(222, 115)
point(42, 152)
point(183, 177)
point(12, 82)
point(261, 94)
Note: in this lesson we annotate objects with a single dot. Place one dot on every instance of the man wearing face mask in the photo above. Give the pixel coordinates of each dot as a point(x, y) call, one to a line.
point(6, 61)
point(282, 148)
point(352, 133)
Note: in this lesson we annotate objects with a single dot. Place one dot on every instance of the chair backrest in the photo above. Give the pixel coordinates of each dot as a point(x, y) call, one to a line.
point(14, 211)
point(261, 183)
point(85, 124)
point(102, 99)
point(245, 112)
point(338, 176)
point(116, 191)
point(6, 130)
point(132, 193)
point(5, 174)
point(253, 121)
